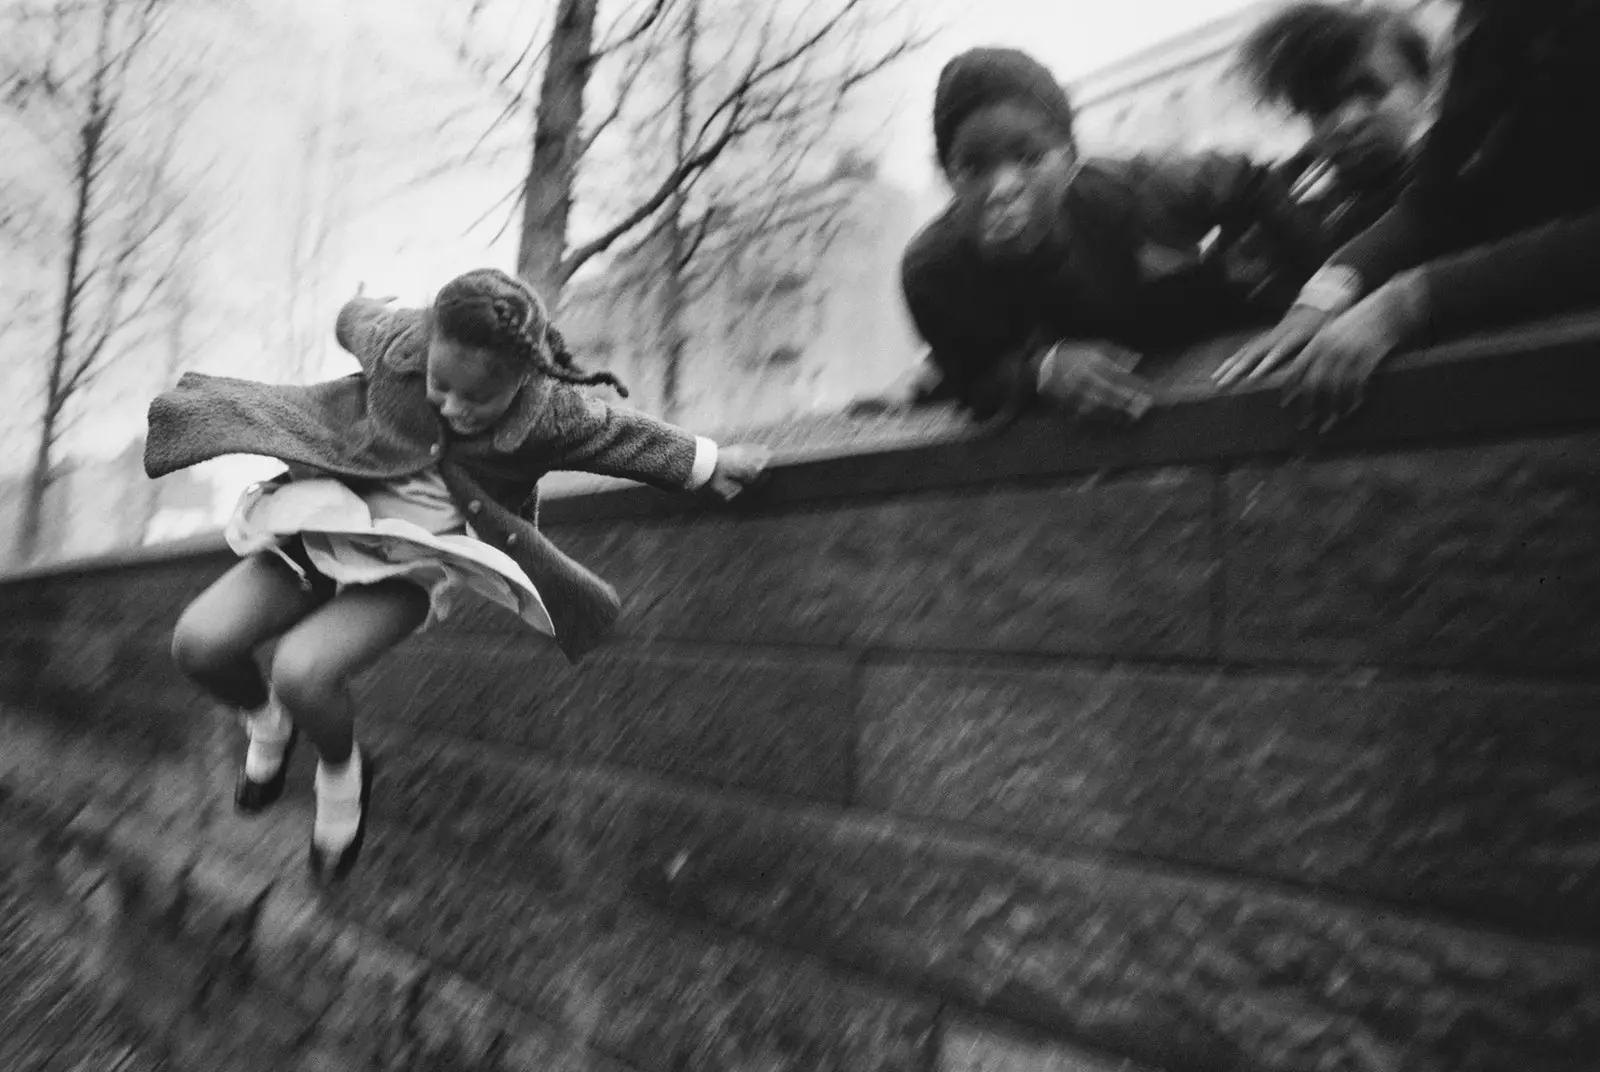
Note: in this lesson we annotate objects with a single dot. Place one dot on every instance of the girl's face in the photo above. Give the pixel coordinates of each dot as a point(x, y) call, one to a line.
point(1013, 166)
point(472, 387)
point(1374, 115)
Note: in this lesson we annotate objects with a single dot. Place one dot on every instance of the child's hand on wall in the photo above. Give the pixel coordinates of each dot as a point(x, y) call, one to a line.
point(738, 467)
point(1275, 348)
point(1094, 380)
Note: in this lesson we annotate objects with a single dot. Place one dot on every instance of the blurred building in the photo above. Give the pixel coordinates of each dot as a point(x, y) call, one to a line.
point(1183, 93)
point(798, 315)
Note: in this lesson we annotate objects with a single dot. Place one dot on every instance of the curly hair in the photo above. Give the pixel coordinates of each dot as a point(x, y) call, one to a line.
point(1299, 56)
point(497, 311)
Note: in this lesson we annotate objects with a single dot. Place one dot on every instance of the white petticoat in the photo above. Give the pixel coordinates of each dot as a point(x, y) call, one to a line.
point(347, 545)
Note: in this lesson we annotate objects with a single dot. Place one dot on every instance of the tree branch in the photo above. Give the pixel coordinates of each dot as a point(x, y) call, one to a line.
point(625, 85)
point(658, 8)
point(668, 186)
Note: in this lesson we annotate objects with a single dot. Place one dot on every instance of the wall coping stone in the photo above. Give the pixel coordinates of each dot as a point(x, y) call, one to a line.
point(1527, 380)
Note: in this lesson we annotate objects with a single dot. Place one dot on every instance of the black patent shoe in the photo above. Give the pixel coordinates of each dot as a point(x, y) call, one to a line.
point(250, 797)
point(334, 866)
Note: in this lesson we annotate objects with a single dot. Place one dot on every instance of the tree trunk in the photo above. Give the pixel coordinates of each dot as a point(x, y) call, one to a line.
point(674, 306)
point(547, 193)
point(57, 384)
point(176, 357)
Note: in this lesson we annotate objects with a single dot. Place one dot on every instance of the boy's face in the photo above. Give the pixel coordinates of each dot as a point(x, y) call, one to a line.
point(1012, 166)
point(1376, 114)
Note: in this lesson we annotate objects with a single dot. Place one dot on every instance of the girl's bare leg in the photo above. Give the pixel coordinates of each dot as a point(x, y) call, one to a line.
point(217, 635)
point(311, 675)
point(317, 658)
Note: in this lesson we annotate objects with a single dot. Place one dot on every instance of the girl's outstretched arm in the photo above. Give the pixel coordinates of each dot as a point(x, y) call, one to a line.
point(373, 330)
point(594, 437)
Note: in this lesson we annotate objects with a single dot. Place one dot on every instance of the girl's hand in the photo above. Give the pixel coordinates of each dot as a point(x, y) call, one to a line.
point(1263, 354)
point(738, 467)
point(1328, 381)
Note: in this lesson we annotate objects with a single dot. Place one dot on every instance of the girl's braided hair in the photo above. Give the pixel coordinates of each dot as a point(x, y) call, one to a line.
point(497, 311)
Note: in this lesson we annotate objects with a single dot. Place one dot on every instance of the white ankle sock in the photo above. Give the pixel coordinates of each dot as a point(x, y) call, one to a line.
point(270, 729)
point(338, 803)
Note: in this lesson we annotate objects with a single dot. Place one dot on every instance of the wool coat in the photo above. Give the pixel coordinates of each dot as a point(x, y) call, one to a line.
point(378, 424)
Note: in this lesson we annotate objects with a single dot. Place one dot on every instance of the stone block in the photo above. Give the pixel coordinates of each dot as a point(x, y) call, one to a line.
point(966, 1047)
point(376, 1003)
point(1122, 566)
point(154, 864)
point(221, 903)
point(1479, 557)
point(1480, 798)
point(455, 1018)
point(143, 597)
point(774, 721)
point(622, 979)
point(504, 686)
point(1167, 970)
point(295, 947)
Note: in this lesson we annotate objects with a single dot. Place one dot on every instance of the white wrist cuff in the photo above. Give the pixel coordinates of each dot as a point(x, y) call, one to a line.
point(705, 462)
point(1333, 289)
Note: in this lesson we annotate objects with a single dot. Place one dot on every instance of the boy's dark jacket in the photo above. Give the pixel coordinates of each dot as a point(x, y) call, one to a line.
point(378, 425)
point(1154, 259)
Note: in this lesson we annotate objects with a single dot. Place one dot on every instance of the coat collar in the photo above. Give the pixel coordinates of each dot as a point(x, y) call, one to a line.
point(531, 406)
point(407, 355)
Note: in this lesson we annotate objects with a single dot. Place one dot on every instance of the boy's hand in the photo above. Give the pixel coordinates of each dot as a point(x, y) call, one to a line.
point(738, 467)
point(1094, 380)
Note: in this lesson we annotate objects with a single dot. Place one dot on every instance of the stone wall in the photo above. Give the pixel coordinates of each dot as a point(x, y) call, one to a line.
point(1203, 746)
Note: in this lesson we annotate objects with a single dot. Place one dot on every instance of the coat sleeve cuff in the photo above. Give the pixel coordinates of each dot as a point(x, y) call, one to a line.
point(705, 463)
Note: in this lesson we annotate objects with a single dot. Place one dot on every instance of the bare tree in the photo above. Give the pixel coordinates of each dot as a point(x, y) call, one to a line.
point(98, 94)
point(314, 222)
point(772, 198)
point(782, 73)
point(178, 342)
point(674, 292)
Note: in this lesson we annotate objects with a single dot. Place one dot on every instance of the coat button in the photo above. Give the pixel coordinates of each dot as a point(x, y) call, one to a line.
point(511, 541)
point(474, 506)
point(434, 450)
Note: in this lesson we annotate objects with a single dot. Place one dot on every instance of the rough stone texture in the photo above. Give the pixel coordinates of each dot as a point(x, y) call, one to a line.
point(485, 688)
point(631, 983)
point(1481, 557)
point(1197, 975)
point(1481, 798)
point(49, 1019)
point(88, 990)
point(228, 957)
point(146, 597)
point(784, 724)
point(968, 1048)
point(111, 680)
point(1121, 567)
